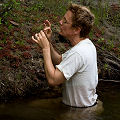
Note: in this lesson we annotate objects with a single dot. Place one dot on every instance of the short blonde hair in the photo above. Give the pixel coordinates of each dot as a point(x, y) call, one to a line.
point(82, 17)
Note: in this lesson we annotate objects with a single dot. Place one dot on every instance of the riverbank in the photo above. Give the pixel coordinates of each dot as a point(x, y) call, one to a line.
point(21, 61)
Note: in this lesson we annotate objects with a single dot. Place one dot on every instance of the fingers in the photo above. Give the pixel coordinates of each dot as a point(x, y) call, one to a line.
point(38, 36)
point(34, 39)
point(41, 39)
point(47, 28)
point(47, 23)
point(42, 34)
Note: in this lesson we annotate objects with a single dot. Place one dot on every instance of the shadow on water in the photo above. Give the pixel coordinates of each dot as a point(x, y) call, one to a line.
point(54, 109)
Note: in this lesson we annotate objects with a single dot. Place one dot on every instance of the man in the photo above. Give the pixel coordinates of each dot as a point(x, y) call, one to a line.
point(76, 68)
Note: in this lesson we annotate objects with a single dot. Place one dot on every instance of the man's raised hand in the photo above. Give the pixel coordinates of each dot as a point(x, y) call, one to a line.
point(47, 29)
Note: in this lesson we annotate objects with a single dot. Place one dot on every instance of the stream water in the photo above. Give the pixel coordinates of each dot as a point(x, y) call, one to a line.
point(54, 109)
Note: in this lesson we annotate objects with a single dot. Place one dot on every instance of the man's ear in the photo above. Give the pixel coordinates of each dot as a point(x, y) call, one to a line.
point(77, 30)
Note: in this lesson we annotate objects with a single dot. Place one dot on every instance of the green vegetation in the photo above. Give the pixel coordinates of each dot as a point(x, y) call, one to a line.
point(20, 20)
point(105, 66)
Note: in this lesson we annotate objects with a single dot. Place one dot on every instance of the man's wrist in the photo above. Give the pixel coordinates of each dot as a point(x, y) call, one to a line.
point(46, 50)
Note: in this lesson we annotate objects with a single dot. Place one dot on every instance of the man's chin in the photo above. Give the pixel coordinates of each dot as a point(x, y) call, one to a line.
point(60, 33)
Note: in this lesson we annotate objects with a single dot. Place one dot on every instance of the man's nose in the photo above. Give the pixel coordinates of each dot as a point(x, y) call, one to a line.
point(60, 22)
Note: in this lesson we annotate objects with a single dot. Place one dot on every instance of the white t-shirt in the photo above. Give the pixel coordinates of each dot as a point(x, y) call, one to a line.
point(79, 66)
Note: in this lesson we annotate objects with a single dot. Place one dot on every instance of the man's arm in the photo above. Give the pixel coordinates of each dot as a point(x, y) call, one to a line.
point(56, 57)
point(54, 76)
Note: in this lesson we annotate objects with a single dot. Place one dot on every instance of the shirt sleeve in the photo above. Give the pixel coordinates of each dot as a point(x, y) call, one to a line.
point(70, 65)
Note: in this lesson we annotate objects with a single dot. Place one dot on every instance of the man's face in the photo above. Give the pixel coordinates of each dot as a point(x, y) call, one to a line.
point(66, 28)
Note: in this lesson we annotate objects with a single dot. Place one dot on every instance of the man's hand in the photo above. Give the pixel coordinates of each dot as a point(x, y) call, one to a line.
point(47, 29)
point(42, 40)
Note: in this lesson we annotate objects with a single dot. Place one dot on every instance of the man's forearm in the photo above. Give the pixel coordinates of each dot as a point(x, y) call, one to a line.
point(49, 68)
point(56, 57)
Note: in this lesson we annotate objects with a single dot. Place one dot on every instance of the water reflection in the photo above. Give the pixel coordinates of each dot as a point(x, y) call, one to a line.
point(91, 113)
point(47, 109)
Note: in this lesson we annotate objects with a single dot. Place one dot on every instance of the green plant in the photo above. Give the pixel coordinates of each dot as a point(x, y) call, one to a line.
point(19, 75)
point(19, 42)
point(96, 13)
point(0, 20)
point(40, 27)
point(6, 8)
point(106, 66)
point(110, 44)
point(113, 15)
point(100, 12)
point(100, 40)
point(3, 41)
point(10, 27)
point(1, 48)
point(91, 34)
